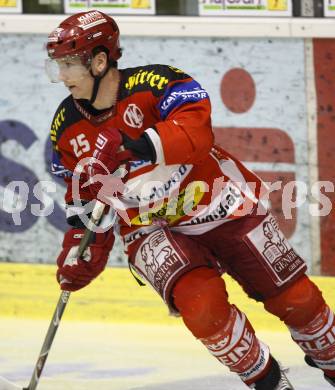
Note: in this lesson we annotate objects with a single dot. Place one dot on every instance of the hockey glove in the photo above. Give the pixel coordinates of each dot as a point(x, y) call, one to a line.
point(111, 150)
point(74, 273)
point(107, 157)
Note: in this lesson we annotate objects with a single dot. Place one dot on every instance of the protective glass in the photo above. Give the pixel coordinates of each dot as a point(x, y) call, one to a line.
point(69, 68)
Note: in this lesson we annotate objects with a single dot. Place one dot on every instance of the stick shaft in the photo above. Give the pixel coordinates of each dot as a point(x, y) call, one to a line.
point(89, 233)
point(62, 302)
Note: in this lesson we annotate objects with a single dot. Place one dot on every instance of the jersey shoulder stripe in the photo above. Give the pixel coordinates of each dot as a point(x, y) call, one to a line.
point(180, 93)
point(153, 78)
point(66, 115)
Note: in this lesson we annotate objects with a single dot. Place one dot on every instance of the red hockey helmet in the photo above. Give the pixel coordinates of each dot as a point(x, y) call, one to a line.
point(79, 34)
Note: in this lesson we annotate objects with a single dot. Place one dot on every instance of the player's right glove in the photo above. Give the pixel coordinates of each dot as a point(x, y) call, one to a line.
point(74, 273)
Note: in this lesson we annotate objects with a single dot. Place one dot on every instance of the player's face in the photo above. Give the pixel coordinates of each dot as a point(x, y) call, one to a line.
point(73, 74)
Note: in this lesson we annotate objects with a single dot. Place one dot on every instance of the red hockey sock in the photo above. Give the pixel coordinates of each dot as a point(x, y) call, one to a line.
point(317, 339)
point(202, 301)
point(238, 348)
point(298, 304)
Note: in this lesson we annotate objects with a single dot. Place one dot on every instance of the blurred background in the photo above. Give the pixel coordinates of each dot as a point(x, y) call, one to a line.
point(267, 64)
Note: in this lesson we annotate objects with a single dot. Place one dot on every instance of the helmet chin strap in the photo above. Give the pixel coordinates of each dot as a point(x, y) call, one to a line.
point(97, 81)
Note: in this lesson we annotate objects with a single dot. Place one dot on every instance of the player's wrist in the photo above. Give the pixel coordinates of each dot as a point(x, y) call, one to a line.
point(142, 147)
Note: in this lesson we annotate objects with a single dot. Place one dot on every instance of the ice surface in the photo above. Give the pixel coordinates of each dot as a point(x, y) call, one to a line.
point(132, 356)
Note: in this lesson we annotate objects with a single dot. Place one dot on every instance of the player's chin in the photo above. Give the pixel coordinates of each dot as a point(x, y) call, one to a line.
point(76, 93)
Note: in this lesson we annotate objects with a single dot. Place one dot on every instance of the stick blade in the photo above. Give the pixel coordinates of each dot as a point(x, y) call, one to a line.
point(6, 385)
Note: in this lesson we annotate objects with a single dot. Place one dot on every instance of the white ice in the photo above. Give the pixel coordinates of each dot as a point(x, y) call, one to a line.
point(132, 356)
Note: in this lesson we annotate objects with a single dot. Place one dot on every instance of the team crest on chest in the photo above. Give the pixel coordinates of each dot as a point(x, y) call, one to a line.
point(133, 116)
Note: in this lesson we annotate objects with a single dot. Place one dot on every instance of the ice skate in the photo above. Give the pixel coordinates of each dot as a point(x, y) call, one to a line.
point(275, 379)
point(311, 363)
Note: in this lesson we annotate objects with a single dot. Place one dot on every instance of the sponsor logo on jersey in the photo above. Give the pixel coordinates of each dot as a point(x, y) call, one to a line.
point(184, 95)
point(135, 165)
point(57, 168)
point(56, 124)
point(101, 142)
point(173, 209)
point(158, 192)
point(179, 94)
point(231, 200)
point(133, 116)
point(142, 77)
point(176, 70)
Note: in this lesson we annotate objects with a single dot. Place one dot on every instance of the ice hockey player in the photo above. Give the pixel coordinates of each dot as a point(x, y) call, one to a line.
point(191, 210)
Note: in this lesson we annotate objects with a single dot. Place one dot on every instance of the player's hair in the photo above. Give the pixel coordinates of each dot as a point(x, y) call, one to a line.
point(104, 49)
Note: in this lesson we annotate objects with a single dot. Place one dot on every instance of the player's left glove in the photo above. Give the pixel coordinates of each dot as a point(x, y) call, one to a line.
point(107, 157)
point(74, 273)
point(112, 150)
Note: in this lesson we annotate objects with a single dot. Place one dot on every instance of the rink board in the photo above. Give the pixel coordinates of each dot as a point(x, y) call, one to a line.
point(117, 335)
point(30, 291)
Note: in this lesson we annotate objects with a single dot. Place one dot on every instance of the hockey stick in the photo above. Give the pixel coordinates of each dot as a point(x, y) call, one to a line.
point(62, 302)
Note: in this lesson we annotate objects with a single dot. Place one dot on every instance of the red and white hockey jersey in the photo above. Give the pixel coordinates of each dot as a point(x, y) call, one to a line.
point(193, 186)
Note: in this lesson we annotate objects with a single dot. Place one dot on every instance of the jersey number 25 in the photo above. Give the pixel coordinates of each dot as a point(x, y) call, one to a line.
point(80, 145)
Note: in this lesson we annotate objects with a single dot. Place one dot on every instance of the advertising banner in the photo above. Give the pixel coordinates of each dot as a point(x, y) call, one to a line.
point(130, 7)
point(10, 6)
point(329, 8)
point(245, 7)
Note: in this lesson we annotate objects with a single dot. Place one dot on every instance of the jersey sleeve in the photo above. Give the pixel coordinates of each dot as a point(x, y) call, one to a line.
point(58, 126)
point(184, 133)
point(61, 159)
